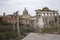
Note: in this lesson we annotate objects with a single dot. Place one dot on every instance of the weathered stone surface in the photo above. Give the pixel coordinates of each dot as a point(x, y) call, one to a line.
point(36, 36)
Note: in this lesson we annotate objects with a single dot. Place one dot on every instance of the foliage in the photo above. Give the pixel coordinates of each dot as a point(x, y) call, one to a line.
point(50, 29)
point(7, 32)
point(24, 31)
point(8, 35)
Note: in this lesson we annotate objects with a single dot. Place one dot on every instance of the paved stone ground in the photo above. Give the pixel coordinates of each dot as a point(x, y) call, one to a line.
point(36, 36)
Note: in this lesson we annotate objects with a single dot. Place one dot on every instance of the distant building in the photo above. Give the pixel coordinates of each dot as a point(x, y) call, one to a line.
point(50, 17)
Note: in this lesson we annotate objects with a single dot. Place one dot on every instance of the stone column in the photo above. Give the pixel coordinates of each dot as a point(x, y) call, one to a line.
point(48, 19)
point(35, 23)
point(57, 20)
point(13, 22)
point(51, 15)
point(4, 14)
point(17, 22)
point(54, 19)
point(3, 19)
point(44, 21)
point(37, 16)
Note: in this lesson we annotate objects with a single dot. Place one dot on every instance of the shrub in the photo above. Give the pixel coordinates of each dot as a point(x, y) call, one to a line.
point(50, 29)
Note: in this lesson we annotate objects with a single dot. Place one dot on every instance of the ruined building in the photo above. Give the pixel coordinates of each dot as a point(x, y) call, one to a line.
point(50, 18)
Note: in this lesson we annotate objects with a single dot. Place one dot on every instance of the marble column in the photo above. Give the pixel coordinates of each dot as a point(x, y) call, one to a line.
point(47, 19)
point(17, 22)
point(13, 22)
point(44, 21)
point(4, 14)
point(57, 20)
point(51, 17)
point(50, 14)
point(53, 14)
point(37, 16)
point(54, 19)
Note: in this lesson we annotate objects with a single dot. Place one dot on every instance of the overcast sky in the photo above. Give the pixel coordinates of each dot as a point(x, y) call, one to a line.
point(10, 6)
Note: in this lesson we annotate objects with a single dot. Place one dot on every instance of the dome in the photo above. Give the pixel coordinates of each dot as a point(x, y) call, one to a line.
point(25, 11)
